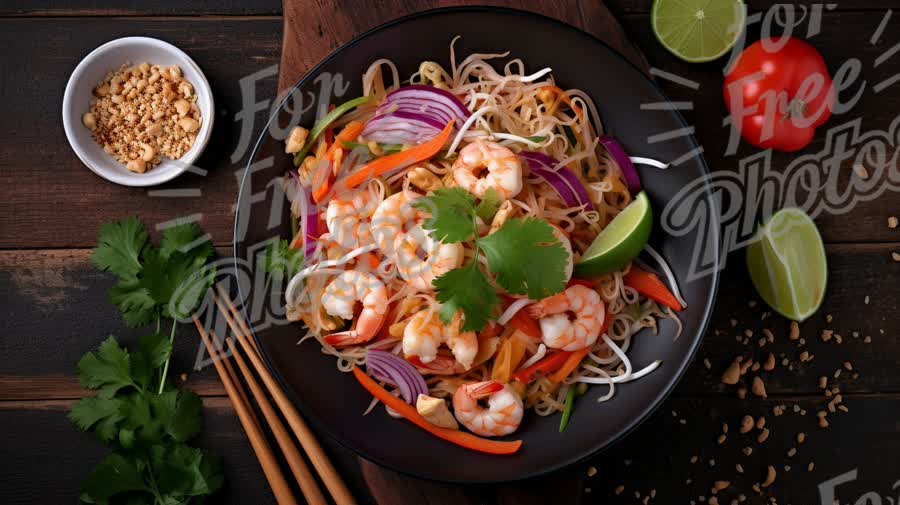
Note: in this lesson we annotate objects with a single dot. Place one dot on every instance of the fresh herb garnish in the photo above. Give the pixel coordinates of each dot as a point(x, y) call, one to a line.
point(488, 206)
point(385, 148)
point(524, 255)
point(137, 412)
point(536, 139)
point(281, 260)
point(147, 430)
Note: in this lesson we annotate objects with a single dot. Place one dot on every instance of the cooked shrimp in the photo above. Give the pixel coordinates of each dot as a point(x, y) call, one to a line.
point(558, 330)
point(348, 219)
point(501, 417)
point(425, 333)
point(340, 299)
point(503, 167)
point(419, 257)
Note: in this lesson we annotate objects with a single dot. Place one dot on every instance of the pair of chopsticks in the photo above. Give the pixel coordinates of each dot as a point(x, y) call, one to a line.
point(251, 423)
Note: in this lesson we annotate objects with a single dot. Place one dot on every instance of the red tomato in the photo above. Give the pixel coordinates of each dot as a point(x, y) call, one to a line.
point(778, 98)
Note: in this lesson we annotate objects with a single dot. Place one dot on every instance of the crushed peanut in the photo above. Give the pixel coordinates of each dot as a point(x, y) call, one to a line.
point(795, 331)
point(770, 476)
point(758, 387)
point(763, 436)
point(144, 112)
point(892, 222)
point(746, 424)
point(732, 374)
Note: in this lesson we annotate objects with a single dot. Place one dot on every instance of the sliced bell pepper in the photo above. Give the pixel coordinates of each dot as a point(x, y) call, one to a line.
point(567, 409)
point(457, 437)
point(395, 161)
point(546, 365)
point(508, 358)
point(491, 330)
point(524, 323)
point(650, 286)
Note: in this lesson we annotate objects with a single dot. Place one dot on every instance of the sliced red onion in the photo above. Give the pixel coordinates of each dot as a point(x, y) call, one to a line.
point(397, 371)
point(429, 96)
point(566, 184)
point(309, 223)
point(414, 114)
point(629, 173)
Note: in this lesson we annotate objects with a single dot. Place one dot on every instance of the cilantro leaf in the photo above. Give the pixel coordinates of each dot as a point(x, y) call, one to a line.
point(134, 302)
point(468, 290)
point(182, 471)
point(119, 246)
point(185, 238)
point(281, 260)
point(107, 371)
point(114, 475)
point(526, 258)
point(186, 417)
point(452, 216)
point(488, 206)
point(89, 411)
point(153, 351)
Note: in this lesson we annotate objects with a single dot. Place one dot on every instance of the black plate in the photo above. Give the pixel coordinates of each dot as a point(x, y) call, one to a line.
point(333, 402)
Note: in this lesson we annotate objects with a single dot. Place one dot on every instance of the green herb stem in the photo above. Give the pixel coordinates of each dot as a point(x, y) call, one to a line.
point(165, 370)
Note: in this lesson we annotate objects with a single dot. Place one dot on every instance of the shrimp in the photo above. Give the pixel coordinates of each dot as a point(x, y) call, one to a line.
point(340, 299)
point(348, 219)
point(501, 417)
point(419, 257)
point(503, 166)
point(558, 331)
point(425, 333)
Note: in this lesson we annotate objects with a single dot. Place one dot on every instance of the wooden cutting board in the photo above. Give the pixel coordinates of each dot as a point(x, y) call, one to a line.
point(312, 30)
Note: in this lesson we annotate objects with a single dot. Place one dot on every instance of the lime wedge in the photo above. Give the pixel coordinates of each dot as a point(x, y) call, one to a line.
point(787, 264)
point(620, 242)
point(698, 30)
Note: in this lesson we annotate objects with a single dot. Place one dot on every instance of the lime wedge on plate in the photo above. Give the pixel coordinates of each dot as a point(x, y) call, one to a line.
point(620, 242)
point(787, 264)
point(698, 30)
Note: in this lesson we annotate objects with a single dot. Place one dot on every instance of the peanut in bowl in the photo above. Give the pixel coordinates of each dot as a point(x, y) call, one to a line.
point(138, 111)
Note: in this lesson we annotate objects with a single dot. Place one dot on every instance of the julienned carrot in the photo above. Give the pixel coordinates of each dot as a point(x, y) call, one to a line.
point(577, 356)
point(545, 366)
point(457, 437)
point(322, 182)
point(348, 134)
point(398, 160)
point(650, 286)
point(564, 97)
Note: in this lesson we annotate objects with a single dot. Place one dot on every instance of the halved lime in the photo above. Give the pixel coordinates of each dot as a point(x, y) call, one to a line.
point(620, 242)
point(698, 30)
point(787, 264)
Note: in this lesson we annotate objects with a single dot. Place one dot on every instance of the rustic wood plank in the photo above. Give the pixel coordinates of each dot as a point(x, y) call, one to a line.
point(57, 309)
point(53, 457)
point(57, 201)
point(647, 459)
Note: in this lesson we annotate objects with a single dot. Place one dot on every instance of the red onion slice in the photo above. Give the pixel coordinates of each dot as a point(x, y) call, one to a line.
point(629, 173)
point(395, 370)
point(430, 95)
point(566, 184)
point(414, 114)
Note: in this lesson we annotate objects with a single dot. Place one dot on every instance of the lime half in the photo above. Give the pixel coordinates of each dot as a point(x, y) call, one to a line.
point(787, 264)
point(698, 30)
point(620, 242)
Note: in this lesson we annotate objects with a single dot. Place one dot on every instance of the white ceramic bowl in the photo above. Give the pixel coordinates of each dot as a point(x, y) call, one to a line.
point(91, 71)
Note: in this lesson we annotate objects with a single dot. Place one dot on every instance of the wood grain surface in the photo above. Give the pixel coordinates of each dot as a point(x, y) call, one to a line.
point(55, 305)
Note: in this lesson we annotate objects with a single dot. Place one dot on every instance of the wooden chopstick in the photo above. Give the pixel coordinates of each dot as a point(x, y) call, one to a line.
point(314, 451)
point(280, 489)
point(301, 472)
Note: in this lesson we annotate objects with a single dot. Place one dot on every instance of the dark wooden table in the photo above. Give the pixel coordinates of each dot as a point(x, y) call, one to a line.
point(55, 307)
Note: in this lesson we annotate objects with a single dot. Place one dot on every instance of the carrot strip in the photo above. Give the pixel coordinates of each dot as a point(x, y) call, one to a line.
point(544, 366)
point(348, 134)
point(650, 286)
point(524, 323)
point(457, 437)
point(569, 366)
point(324, 178)
point(399, 160)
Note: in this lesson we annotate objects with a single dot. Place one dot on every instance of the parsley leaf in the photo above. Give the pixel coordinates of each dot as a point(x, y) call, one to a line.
point(526, 257)
point(468, 290)
point(452, 213)
point(488, 206)
point(281, 260)
point(119, 246)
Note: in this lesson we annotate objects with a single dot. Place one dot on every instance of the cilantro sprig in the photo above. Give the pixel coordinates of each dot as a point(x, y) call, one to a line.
point(137, 412)
point(523, 254)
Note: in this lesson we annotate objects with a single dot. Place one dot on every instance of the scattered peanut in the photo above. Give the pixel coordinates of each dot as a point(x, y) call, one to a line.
point(795, 331)
point(746, 424)
point(732, 374)
point(758, 388)
point(770, 476)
